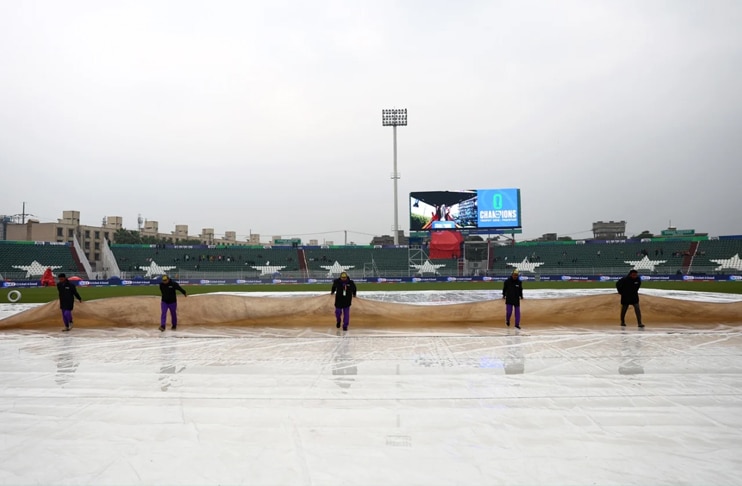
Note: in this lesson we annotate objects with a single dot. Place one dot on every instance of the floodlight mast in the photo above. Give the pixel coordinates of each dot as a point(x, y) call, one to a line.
point(395, 117)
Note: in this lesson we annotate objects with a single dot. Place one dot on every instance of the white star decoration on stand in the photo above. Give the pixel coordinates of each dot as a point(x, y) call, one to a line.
point(35, 268)
point(154, 270)
point(427, 267)
point(336, 268)
point(268, 269)
point(645, 263)
point(526, 266)
point(734, 263)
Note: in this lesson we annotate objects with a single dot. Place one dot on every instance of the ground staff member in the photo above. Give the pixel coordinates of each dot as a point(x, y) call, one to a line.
point(344, 289)
point(169, 301)
point(628, 287)
point(512, 292)
point(67, 295)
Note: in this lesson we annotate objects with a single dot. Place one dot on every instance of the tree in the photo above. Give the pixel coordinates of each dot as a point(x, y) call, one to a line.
point(131, 237)
point(127, 237)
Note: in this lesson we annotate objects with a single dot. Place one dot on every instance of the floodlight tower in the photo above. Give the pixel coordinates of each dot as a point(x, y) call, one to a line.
point(395, 117)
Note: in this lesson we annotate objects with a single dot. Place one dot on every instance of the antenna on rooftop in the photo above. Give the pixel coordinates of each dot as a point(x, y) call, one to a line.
point(22, 217)
point(140, 220)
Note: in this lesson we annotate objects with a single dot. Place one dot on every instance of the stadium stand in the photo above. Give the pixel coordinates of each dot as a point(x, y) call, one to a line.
point(661, 256)
point(194, 261)
point(27, 260)
point(391, 262)
point(366, 261)
point(446, 266)
point(595, 258)
point(720, 256)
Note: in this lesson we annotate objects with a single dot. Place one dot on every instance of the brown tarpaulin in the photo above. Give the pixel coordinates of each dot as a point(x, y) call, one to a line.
point(317, 312)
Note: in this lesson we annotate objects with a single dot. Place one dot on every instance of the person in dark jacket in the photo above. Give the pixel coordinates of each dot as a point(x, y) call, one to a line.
point(628, 287)
point(512, 292)
point(169, 301)
point(344, 290)
point(67, 295)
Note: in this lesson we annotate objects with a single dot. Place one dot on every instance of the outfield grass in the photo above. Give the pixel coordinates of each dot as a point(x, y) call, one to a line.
point(48, 294)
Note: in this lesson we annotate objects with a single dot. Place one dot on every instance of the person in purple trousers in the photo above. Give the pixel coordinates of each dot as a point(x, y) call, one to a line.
point(67, 295)
point(512, 292)
point(344, 290)
point(169, 301)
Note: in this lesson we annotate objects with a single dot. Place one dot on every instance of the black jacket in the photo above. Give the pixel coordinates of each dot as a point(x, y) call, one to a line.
point(629, 290)
point(168, 291)
point(67, 295)
point(512, 291)
point(344, 292)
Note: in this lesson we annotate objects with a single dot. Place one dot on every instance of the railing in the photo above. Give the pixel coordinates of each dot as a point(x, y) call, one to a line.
point(187, 273)
point(108, 261)
point(82, 258)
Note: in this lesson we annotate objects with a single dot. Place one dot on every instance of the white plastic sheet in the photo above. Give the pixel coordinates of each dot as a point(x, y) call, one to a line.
point(293, 406)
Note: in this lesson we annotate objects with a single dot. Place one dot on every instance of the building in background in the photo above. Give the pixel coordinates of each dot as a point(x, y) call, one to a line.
point(609, 230)
point(91, 238)
point(65, 230)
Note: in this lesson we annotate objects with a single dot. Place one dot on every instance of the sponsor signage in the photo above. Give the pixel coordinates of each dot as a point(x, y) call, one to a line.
point(21, 284)
point(678, 232)
point(373, 280)
point(498, 208)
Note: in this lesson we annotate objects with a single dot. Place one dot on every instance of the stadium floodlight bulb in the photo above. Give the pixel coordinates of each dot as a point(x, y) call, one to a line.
point(395, 117)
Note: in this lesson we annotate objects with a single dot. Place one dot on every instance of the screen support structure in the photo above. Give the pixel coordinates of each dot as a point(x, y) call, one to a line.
point(415, 256)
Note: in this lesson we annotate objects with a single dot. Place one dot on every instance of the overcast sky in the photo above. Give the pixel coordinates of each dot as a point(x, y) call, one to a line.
point(265, 117)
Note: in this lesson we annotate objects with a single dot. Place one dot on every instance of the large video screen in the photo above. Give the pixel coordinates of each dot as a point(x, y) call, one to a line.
point(468, 209)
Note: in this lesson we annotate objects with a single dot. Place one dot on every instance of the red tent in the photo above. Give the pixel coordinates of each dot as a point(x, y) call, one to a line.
point(445, 244)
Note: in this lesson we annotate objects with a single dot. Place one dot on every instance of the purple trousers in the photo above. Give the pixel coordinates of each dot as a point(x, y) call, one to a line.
point(66, 317)
point(173, 308)
point(509, 312)
point(345, 312)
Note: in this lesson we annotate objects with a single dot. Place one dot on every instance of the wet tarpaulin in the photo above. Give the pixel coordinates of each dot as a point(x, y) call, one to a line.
point(393, 405)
